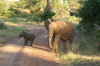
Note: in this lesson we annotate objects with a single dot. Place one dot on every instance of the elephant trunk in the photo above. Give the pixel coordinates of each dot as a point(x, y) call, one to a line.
point(50, 34)
point(50, 43)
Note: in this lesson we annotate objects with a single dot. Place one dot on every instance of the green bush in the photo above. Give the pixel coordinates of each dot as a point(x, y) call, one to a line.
point(60, 8)
point(22, 15)
point(2, 26)
point(90, 14)
point(10, 14)
point(2, 9)
point(35, 18)
point(48, 14)
point(82, 45)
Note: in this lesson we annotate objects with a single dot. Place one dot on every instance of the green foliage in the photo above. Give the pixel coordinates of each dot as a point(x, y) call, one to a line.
point(48, 14)
point(61, 9)
point(75, 5)
point(90, 15)
point(22, 15)
point(11, 31)
point(35, 18)
point(9, 14)
point(29, 4)
point(35, 7)
point(97, 35)
point(2, 9)
point(82, 45)
point(2, 25)
point(38, 8)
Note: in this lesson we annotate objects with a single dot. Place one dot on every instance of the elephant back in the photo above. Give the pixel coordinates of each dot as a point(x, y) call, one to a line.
point(61, 25)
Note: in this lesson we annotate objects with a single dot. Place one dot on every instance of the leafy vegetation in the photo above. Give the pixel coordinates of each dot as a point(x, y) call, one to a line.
point(11, 31)
point(34, 18)
point(27, 8)
point(2, 11)
point(84, 52)
point(47, 14)
point(90, 15)
point(2, 26)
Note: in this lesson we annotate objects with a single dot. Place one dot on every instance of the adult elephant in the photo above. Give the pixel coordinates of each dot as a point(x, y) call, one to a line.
point(61, 30)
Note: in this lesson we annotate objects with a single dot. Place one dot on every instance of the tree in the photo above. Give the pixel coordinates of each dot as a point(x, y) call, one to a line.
point(29, 4)
point(90, 14)
point(2, 9)
point(48, 6)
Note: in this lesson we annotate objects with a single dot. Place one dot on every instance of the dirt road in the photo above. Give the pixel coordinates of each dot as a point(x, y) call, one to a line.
point(15, 54)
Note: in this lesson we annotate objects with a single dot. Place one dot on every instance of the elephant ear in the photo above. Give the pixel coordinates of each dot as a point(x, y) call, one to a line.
point(61, 25)
point(46, 23)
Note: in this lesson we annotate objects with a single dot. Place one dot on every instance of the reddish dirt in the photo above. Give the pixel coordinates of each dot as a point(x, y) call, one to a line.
point(13, 53)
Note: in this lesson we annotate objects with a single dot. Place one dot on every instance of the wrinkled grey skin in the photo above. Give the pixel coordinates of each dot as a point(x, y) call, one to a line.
point(27, 37)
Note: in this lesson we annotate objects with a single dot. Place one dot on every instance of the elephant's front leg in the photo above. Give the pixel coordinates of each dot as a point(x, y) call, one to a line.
point(55, 44)
point(56, 48)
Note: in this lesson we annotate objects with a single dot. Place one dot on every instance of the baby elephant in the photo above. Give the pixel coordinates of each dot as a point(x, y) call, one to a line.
point(27, 37)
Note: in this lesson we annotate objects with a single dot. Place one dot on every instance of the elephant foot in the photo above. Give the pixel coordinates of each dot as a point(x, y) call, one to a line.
point(54, 51)
point(51, 47)
point(32, 44)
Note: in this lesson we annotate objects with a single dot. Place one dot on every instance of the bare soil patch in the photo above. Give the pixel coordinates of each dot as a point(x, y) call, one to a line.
point(13, 53)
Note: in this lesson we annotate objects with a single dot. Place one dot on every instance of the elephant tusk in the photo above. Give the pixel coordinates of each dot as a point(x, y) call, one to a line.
point(46, 36)
point(51, 36)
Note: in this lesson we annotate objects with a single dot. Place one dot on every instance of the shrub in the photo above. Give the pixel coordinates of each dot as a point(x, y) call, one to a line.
point(48, 14)
point(10, 14)
point(35, 18)
point(2, 9)
point(2, 26)
point(22, 15)
point(82, 45)
point(90, 15)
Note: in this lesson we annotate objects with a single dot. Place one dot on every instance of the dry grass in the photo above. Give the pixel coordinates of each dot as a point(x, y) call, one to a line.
point(72, 59)
point(84, 53)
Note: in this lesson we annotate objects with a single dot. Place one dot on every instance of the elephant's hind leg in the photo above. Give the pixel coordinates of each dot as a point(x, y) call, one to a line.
point(64, 45)
point(25, 42)
point(71, 41)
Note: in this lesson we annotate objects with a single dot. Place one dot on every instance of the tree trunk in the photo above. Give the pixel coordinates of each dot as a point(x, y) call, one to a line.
point(47, 3)
point(48, 7)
